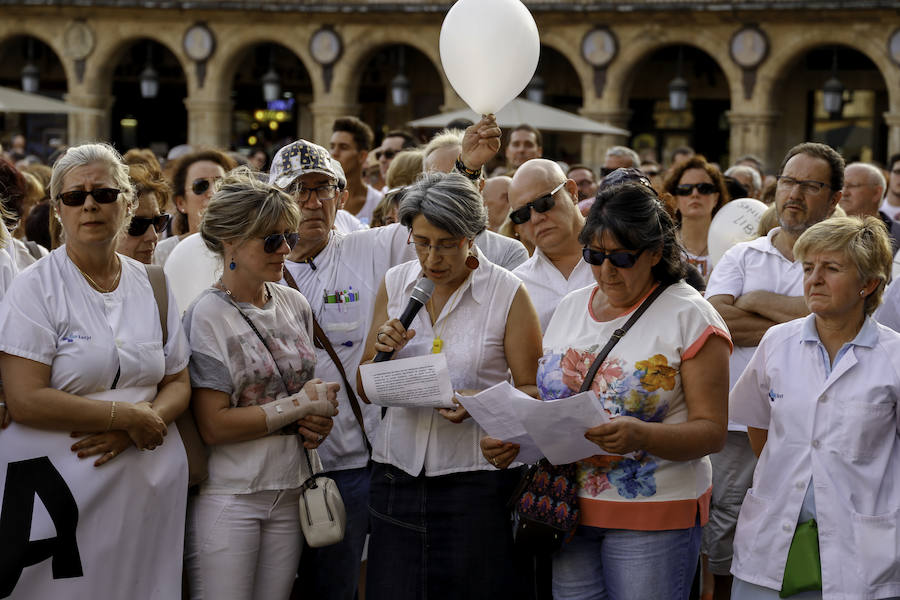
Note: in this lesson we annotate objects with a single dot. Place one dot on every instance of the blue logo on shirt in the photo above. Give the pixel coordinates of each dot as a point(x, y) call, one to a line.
point(773, 396)
point(71, 338)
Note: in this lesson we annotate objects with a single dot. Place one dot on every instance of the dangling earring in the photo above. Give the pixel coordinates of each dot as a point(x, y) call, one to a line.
point(232, 264)
point(472, 261)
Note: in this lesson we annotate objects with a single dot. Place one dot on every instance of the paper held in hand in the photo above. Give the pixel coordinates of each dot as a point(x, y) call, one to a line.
point(555, 428)
point(415, 382)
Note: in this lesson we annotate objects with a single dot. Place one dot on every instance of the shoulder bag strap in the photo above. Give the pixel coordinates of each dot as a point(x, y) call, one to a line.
point(158, 283)
point(323, 342)
point(618, 334)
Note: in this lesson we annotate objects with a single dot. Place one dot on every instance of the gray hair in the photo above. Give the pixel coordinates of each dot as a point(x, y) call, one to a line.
point(244, 207)
point(443, 139)
point(448, 201)
point(746, 170)
point(625, 152)
point(876, 177)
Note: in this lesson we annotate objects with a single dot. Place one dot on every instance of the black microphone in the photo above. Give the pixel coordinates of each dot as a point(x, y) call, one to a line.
point(420, 295)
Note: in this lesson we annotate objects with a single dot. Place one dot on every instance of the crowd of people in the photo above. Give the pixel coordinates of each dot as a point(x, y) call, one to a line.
point(535, 265)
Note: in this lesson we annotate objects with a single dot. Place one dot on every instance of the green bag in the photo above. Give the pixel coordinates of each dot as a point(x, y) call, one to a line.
point(803, 569)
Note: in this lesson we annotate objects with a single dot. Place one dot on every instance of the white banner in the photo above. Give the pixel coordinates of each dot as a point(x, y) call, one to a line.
point(71, 530)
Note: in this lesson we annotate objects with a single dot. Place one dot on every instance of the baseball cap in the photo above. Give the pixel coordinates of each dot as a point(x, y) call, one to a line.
point(299, 158)
point(339, 173)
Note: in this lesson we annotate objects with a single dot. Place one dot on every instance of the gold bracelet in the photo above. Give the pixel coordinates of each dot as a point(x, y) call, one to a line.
point(112, 415)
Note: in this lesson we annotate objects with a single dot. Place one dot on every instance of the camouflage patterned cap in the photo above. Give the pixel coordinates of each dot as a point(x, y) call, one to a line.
point(299, 158)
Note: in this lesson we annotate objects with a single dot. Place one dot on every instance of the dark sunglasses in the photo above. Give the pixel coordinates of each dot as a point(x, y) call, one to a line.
point(622, 260)
point(272, 242)
point(541, 205)
point(685, 189)
point(100, 196)
point(140, 224)
point(200, 186)
point(388, 154)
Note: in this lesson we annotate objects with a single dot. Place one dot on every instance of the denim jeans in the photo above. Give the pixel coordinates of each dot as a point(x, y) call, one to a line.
point(332, 572)
point(444, 537)
point(620, 564)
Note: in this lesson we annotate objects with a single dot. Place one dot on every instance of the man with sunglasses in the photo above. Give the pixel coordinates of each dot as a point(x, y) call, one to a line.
point(542, 203)
point(393, 143)
point(756, 285)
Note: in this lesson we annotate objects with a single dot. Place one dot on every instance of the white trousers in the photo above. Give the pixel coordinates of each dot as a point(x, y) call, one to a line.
point(243, 547)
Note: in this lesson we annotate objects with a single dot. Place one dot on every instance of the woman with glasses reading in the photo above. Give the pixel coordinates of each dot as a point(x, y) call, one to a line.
point(139, 239)
point(193, 181)
point(255, 399)
point(665, 385)
point(699, 191)
point(440, 526)
point(84, 351)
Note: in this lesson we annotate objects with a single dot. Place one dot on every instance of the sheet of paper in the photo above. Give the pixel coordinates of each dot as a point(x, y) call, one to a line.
point(418, 381)
point(558, 426)
point(492, 409)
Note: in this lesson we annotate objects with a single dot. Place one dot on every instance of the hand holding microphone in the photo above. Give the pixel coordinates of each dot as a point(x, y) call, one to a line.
point(394, 334)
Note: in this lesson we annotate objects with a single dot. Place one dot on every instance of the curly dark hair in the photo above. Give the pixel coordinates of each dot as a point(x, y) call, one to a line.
point(633, 214)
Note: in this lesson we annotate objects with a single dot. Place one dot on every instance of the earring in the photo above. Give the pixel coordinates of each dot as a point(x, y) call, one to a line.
point(232, 264)
point(862, 292)
point(472, 261)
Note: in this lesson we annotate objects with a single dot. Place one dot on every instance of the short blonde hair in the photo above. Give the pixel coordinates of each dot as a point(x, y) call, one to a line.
point(864, 241)
point(245, 207)
point(405, 168)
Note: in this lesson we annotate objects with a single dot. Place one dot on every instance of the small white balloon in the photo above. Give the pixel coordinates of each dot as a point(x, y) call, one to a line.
point(191, 268)
point(735, 222)
point(489, 51)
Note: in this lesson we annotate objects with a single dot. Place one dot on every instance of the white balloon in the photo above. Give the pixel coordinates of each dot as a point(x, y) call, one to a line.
point(489, 50)
point(191, 268)
point(735, 222)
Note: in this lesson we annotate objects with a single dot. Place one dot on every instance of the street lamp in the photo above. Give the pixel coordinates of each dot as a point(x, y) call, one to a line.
point(535, 89)
point(149, 78)
point(271, 82)
point(31, 75)
point(400, 84)
point(678, 88)
point(833, 91)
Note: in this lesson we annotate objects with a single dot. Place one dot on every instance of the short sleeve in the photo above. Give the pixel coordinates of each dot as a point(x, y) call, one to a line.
point(748, 402)
point(888, 314)
point(727, 278)
point(28, 330)
point(699, 322)
point(207, 372)
point(177, 349)
point(208, 366)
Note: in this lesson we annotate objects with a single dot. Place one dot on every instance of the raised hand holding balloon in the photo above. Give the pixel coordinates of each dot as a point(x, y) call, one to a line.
point(489, 51)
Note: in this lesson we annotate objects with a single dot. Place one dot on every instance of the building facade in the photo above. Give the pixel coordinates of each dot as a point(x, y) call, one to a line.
point(755, 70)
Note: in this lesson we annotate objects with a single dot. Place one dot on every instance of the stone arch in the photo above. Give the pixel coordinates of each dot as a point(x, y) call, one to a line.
point(102, 62)
point(555, 40)
point(11, 30)
point(234, 48)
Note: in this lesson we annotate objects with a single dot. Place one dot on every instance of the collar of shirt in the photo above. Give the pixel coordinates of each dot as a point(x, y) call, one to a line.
point(477, 281)
point(867, 337)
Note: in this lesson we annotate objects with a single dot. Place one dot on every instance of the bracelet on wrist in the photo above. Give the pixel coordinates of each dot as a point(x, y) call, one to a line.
point(474, 175)
point(112, 415)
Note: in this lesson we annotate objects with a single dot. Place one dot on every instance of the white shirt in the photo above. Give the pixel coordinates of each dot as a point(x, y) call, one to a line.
point(748, 267)
point(890, 210)
point(350, 268)
point(21, 253)
point(373, 197)
point(888, 313)
point(472, 326)
point(347, 223)
point(501, 250)
point(164, 249)
point(8, 270)
point(227, 356)
point(546, 285)
point(842, 431)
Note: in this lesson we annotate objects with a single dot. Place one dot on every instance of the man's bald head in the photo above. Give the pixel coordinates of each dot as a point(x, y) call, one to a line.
point(535, 171)
point(554, 231)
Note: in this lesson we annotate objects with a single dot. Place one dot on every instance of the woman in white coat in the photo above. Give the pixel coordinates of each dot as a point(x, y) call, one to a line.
point(821, 399)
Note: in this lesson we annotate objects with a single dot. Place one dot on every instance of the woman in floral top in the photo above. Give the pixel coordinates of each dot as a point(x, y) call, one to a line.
point(666, 386)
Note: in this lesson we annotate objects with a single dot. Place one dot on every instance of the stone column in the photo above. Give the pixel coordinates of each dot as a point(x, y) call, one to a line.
point(209, 122)
point(892, 119)
point(594, 147)
point(324, 113)
point(751, 133)
point(89, 127)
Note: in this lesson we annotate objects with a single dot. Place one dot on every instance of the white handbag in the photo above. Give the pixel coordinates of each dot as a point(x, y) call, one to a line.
point(322, 515)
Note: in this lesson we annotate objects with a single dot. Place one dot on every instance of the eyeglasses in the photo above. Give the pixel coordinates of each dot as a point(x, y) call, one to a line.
point(540, 205)
point(440, 248)
point(622, 260)
point(388, 154)
point(139, 225)
point(323, 192)
point(685, 189)
point(201, 186)
point(100, 196)
point(273, 241)
point(806, 187)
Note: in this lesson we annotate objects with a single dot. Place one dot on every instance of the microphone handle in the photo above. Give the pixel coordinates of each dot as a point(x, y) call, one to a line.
point(406, 319)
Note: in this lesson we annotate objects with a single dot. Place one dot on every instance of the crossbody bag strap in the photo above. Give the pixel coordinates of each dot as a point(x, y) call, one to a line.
point(158, 282)
point(323, 342)
point(618, 334)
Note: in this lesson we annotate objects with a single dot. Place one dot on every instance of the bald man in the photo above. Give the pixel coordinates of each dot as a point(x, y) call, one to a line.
point(496, 199)
point(543, 202)
point(863, 189)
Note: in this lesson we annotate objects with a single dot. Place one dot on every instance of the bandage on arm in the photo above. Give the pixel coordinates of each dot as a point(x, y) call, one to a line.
point(290, 409)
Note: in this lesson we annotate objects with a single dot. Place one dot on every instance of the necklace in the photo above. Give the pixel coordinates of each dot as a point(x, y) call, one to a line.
point(96, 285)
point(266, 295)
point(438, 344)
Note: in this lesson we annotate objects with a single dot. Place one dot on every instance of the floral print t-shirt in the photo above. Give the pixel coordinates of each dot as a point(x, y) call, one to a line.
point(640, 378)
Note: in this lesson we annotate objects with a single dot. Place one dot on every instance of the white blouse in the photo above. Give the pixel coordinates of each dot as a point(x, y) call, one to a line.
point(472, 326)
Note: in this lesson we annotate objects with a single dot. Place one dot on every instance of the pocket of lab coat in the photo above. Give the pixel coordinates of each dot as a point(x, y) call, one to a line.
point(752, 520)
point(877, 540)
point(865, 427)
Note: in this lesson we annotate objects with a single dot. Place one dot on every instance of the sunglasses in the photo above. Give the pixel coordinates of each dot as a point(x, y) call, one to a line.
point(540, 205)
point(685, 189)
point(388, 154)
point(100, 196)
point(140, 224)
point(273, 241)
point(622, 260)
point(200, 186)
